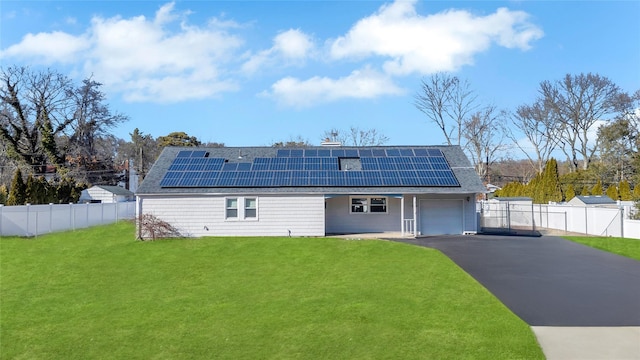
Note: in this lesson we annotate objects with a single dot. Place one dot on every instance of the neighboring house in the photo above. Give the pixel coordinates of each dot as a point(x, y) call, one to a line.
point(593, 200)
point(313, 191)
point(106, 194)
point(492, 188)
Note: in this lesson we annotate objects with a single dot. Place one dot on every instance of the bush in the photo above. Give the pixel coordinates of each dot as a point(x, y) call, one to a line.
point(151, 227)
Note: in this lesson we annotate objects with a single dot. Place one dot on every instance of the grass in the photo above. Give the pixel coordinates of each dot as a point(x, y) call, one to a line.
point(97, 293)
point(621, 246)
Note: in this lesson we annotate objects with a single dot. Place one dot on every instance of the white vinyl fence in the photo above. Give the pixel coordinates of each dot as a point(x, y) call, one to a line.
point(34, 220)
point(598, 221)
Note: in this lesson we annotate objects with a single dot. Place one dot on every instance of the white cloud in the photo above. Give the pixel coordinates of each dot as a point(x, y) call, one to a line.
point(48, 48)
point(427, 44)
point(142, 58)
point(289, 47)
point(360, 84)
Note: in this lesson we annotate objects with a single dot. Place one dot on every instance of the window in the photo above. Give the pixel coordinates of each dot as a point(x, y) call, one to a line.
point(232, 208)
point(250, 208)
point(366, 205)
point(359, 205)
point(241, 208)
point(379, 205)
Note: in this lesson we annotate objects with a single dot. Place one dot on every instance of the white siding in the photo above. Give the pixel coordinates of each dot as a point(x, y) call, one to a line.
point(303, 215)
point(98, 194)
point(340, 220)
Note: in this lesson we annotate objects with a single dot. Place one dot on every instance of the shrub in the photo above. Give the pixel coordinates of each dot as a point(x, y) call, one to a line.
point(150, 227)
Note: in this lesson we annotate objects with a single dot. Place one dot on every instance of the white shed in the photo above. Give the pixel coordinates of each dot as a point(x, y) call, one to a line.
point(594, 200)
point(106, 194)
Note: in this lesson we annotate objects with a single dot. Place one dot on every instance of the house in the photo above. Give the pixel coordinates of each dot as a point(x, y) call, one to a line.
point(492, 188)
point(312, 191)
point(106, 194)
point(594, 200)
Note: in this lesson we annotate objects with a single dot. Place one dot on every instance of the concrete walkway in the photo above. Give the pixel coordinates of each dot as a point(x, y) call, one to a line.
point(582, 303)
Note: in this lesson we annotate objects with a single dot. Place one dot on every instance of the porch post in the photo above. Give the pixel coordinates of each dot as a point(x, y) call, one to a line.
point(402, 215)
point(415, 217)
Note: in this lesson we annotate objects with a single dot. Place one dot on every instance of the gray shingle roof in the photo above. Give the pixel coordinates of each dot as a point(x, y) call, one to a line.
point(596, 200)
point(459, 163)
point(117, 190)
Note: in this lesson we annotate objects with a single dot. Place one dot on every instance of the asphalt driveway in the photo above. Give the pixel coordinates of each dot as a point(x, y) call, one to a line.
point(549, 281)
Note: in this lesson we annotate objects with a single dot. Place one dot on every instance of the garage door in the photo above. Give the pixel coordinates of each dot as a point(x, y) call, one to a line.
point(440, 217)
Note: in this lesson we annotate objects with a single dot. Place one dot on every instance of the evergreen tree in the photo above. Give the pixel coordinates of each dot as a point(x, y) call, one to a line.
point(4, 193)
point(67, 191)
point(534, 188)
point(597, 188)
point(624, 190)
point(570, 193)
point(636, 192)
point(551, 184)
point(512, 189)
point(612, 192)
point(18, 192)
point(31, 191)
point(585, 191)
point(39, 191)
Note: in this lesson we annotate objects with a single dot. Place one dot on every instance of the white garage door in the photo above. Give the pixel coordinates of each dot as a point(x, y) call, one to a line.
point(440, 217)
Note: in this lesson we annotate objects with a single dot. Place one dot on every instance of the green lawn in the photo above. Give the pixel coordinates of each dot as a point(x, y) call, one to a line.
point(98, 293)
point(621, 246)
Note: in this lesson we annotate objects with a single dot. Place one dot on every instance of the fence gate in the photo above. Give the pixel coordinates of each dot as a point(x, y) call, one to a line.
point(505, 217)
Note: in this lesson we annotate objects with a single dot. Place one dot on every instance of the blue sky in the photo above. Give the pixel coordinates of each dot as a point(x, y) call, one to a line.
point(251, 73)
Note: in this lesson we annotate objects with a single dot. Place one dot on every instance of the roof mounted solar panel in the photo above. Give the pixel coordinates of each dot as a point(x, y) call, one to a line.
point(365, 153)
point(420, 152)
point(351, 153)
point(199, 154)
point(324, 153)
point(337, 153)
point(244, 166)
point(378, 152)
point(406, 152)
point(283, 153)
point(314, 167)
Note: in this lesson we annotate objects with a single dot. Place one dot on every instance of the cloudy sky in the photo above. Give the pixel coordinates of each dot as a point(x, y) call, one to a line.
point(255, 72)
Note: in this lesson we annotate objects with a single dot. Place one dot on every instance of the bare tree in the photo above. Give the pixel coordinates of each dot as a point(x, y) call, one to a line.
point(538, 123)
point(356, 137)
point(619, 140)
point(298, 141)
point(579, 101)
point(91, 119)
point(47, 120)
point(89, 148)
point(32, 103)
point(484, 138)
point(446, 101)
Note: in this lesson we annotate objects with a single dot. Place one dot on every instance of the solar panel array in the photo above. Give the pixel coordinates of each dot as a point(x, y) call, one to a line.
point(313, 167)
